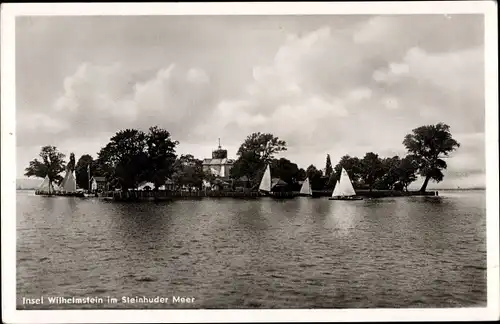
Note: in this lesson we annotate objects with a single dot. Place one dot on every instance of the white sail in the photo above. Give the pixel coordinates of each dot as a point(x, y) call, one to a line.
point(46, 186)
point(336, 190)
point(306, 188)
point(69, 182)
point(94, 185)
point(345, 187)
point(265, 183)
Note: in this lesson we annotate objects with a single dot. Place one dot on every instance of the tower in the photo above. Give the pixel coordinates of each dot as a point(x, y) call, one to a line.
point(219, 153)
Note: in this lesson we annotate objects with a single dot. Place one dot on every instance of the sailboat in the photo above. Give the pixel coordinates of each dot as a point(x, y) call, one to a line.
point(344, 189)
point(46, 188)
point(265, 182)
point(305, 190)
point(68, 185)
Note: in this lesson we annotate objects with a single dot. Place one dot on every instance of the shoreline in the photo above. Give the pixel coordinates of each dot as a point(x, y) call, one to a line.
point(162, 195)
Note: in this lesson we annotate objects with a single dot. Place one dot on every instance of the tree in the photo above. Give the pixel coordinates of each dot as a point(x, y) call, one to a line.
point(328, 167)
point(161, 154)
point(315, 177)
point(353, 167)
point(429, 145)
point(285, 170)
point(81, 171)
point(301, 175)
point(188, 171)
point(248, 165)
point(52, 165)
point(372, 169)
point(389, 176)
point(125, 158)
point(332, 181)
point(407, 170)
point(71, 164)
point(264, 145)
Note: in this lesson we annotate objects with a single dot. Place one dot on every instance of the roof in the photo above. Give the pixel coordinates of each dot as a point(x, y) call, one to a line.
point(217, 161)
point(278, 182)
point(146, 184)
point(99, 179)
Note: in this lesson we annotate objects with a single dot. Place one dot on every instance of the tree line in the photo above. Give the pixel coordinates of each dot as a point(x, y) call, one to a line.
point(132, 156)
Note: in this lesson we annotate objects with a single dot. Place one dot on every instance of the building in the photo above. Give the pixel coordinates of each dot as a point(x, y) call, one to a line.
point(219, 165)
point(98, 183)
point(146, 185)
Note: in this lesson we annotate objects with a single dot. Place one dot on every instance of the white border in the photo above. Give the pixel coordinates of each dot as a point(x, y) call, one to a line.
point(8, 198)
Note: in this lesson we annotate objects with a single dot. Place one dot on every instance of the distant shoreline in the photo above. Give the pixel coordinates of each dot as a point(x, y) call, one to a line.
point(430, 189)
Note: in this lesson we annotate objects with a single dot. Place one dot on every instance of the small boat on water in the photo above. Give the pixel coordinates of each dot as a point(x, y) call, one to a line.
point(266, 185)
point(46, 188)
point(344, 189)
point(305, 190)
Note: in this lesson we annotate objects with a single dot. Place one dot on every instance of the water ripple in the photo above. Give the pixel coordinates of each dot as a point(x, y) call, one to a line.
point(301, 253)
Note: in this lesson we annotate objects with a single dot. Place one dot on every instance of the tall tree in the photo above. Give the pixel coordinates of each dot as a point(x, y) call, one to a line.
point(328, 167)
point(301, 175)
point(81, 171)
point(248, 165)
point(188, 171)
point(332, 181)
point(52, 165)
point(265, 145)
point(407, 170)
point(315, 177)
point(161, 153)
point(125, 158)
point(372, 169)
point(285, 170)
point(71, 164)
point(429, 145)
point(255, 152)
point(389, 176)
point(353, 167)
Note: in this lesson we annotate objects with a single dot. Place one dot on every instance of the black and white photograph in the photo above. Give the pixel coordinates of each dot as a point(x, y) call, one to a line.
point(254, 158)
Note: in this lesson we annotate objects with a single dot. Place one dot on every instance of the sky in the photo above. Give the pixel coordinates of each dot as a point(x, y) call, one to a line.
point(326, 84)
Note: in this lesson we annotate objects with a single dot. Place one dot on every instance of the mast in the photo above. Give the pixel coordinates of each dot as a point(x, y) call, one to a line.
point(88, 176)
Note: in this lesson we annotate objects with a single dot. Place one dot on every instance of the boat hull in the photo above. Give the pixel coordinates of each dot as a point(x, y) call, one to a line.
point(346, 198)
point(278, 195)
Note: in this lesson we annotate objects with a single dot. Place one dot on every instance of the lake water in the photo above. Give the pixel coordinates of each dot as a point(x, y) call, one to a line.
point(262, 253)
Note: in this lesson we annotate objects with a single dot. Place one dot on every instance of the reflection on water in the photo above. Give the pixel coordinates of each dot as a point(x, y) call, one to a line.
point(259, 253)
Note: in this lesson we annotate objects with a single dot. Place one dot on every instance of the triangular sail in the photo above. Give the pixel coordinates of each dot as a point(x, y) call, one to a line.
point(345, 187)
point(306, 188)
point(265, 183)
point(69, 182)
point(336, 190)
point(64, 180)
point(46, 186)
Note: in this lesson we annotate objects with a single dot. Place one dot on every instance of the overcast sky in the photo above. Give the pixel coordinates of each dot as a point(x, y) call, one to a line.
point(341, 85)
